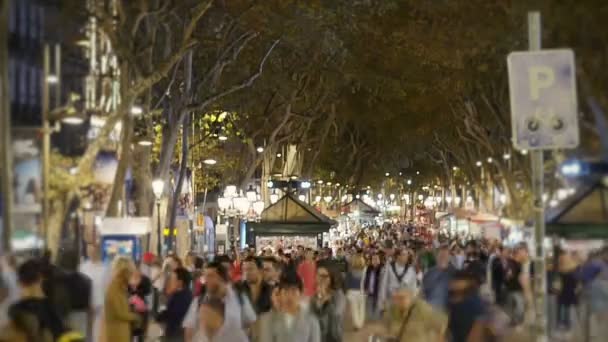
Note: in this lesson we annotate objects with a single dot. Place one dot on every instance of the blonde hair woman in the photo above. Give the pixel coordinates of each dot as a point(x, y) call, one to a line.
point(119, 319)
point(354, 289)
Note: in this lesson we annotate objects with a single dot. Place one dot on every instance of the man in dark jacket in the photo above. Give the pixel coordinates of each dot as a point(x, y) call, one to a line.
point(180, 298)
point(34, 316)
point(254, 286)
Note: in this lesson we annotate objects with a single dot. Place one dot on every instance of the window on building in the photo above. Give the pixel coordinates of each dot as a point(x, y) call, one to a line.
point(12, 68)
point(23, 12)
point(33, 22)
point(12, 18)
point(23, 73)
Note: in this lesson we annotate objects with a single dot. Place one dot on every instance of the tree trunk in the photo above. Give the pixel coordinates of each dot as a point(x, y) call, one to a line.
point(255, 163)
point(184, 162)
point(6, 164)
point(118, 187)
point(180, 182)
point(170, 134)
point(324, 133)
point(142, 178)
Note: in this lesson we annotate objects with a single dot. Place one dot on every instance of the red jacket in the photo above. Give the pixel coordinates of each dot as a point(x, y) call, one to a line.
point(236, 273)
point(307, 271)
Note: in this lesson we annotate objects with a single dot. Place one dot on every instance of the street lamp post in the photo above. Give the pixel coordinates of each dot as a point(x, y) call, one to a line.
point(158, 186)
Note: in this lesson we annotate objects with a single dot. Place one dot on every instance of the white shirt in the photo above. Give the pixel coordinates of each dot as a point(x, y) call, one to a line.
point(227, 333)
point(389, 282)
point(99, 273)
point(14, 292)
point(235, 313)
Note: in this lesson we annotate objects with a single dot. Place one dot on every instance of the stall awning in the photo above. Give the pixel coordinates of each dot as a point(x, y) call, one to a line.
point(583, 215)
point(290, 216)
point(358, 205)
point(289, 209)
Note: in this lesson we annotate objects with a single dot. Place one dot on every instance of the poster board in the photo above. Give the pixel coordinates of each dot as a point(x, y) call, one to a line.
point(284, 242)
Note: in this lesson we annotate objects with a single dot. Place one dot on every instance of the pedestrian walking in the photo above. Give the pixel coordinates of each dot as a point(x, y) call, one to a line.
point(567, 299)
point(214, 327)
point(140, 287)
point(518, 286)
point(498, 270)
point(238, 308)
point(9, 286)
point(99, 274)
point(410, 318)
point(307, 270)
point(119, 319)
point(467, 311)
point(397, 274)
point(33, 317)
point(355, 289)
point(329, 303)
point(179, 300)
point(371, 286)
point(436, 281)
point(78, 291)
point(288, 321)
point(254, 286)
point(272, 271)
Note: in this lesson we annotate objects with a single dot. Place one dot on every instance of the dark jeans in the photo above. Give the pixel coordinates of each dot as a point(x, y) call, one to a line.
point(564, 315)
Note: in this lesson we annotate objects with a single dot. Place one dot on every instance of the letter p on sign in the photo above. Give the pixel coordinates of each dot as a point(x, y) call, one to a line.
point(541, 77)
point(544, 110)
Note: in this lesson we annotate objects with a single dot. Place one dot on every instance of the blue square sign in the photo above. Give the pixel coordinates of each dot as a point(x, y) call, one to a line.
point(542, 87)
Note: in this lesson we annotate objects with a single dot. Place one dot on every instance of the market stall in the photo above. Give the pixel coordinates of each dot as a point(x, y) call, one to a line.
point(360, 212)
point(287, 222)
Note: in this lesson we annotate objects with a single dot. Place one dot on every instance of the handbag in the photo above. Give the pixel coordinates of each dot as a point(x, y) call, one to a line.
point(403, 326)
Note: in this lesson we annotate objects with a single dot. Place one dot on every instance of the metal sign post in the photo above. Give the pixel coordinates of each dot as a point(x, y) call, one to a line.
point(542, 86)
point(540, 275)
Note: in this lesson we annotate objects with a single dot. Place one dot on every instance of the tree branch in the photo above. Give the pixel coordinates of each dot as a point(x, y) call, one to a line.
point(246, 83)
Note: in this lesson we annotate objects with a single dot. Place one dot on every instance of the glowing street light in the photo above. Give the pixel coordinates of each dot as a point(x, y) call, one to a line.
point(490, 160)
point(137, 110)
point(210, 161)
point(145, 142)
point(258, 207)
point(274, 198)
point(506, 156)
point(52, 79)
point(409, 182)
point(251, 194)
point(571, 169)
point(479, 163)
point(260, 149)
point(75, 120)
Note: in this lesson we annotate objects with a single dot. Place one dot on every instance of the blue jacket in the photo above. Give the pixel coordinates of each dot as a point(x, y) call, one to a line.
point(173, 316)
point(435, 286)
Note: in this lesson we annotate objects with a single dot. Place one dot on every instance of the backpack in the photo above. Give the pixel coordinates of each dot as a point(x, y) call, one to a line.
point(402, 275)
point(41, 323)
point(79, 286)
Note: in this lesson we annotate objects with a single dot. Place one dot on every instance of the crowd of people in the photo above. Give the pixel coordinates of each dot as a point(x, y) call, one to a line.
point(382, 283)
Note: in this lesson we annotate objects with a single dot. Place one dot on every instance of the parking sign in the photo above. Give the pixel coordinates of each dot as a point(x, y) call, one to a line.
point(542, 87)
